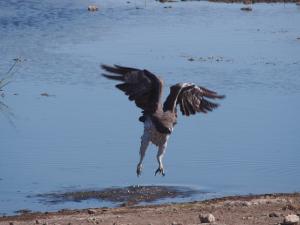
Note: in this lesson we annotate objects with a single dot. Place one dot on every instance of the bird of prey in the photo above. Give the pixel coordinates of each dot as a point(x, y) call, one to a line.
point(145, 89)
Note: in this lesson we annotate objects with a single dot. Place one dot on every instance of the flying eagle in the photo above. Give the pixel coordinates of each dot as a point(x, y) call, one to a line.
point(145, 89)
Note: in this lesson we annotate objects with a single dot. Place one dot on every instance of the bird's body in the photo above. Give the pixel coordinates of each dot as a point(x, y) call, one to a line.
point(154, 136)
point(159, 119)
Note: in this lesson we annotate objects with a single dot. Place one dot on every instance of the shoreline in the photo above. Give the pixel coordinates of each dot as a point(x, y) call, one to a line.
point(247, 2)
point(244, 209)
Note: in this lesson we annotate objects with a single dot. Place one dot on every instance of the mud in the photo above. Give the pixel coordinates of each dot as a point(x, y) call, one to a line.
point(130, 195)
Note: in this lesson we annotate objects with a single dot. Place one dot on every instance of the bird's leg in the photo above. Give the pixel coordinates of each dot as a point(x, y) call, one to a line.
point(144, 144)
point(159, 156)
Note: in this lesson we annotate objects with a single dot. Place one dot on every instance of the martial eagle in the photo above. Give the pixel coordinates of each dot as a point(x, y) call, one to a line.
point(145, 89)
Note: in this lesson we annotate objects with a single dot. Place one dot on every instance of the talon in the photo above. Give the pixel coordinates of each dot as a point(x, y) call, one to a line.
point(160, 171)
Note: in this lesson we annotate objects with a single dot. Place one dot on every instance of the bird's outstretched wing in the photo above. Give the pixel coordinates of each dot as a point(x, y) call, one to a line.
point(141, 86)
point(191, 99)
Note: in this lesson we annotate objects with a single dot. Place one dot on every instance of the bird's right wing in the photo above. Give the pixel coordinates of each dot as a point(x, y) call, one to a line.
point(191, 99)
point(141, 86)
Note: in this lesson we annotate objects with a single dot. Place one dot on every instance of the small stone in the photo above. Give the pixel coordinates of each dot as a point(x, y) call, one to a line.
point(247, 204)
point(93, 8)
point(91, 211)
point(291, 219)
point(11, 223)
point(207, 218)
point(37, 222)
point(274, 214)
point(191, 59)
point(175, 223)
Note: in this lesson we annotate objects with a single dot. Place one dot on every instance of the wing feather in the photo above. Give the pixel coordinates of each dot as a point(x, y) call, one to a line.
point(141, 86)
point(191, 99)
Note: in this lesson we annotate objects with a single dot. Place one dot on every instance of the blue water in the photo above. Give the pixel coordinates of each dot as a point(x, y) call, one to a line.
point(86, 133)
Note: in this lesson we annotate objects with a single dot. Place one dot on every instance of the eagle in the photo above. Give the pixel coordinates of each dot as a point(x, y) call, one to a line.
point(145, 89)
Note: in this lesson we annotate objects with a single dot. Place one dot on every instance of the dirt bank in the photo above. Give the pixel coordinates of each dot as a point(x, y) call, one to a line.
point(252, 209)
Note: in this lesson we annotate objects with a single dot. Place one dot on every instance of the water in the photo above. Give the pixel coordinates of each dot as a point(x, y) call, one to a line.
point(86, 134)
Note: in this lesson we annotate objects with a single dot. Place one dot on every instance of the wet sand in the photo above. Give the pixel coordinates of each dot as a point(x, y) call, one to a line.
point(251, 209)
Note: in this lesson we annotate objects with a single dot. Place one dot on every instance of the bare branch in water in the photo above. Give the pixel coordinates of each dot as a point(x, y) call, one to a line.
point(6, 79)
point(10, 73)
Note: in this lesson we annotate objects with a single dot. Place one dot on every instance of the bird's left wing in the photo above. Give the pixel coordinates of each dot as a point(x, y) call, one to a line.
point(191, 99)
point(142, 87)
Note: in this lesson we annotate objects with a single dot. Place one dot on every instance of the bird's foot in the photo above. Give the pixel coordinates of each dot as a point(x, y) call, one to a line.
point(139, 170)
point(160, 171)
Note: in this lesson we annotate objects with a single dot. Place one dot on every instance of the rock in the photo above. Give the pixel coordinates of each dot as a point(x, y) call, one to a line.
point(246, 9)
point(37, 222)
point(274, 214)
point(91, 211)
point(93, 8)
point(207, 218)
point(175, 223)
point(245, 203)
point(291, 219)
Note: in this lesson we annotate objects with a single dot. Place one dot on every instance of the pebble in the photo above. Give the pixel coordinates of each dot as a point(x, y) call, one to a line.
point(175, 223)
point(291, 219)
point(207, 218)
point(91, 211)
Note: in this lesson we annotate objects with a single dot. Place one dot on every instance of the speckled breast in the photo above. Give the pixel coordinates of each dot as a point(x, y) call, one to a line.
point(156, 137)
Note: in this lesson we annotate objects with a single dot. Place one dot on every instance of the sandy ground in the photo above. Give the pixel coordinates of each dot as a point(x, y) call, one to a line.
point(237, 210)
